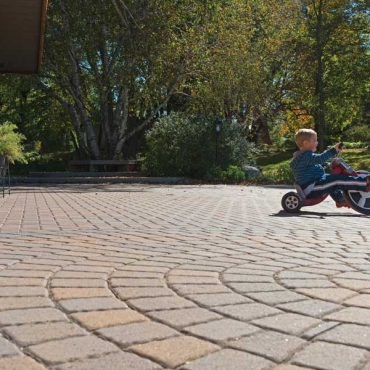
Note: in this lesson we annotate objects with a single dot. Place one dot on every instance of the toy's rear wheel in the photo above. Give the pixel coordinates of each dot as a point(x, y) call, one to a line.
point(358, 200)
point(291, 202)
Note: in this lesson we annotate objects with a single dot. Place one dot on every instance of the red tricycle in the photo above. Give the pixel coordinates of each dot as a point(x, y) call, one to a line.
point(292, 202)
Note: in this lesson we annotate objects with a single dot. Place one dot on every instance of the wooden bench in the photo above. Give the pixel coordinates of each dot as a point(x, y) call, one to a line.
point(93, 164)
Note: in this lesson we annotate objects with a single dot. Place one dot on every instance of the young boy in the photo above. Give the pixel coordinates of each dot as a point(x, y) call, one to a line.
point(309, 173)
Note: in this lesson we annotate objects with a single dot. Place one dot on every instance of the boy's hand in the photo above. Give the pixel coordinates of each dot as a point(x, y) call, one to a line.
point(339, 147)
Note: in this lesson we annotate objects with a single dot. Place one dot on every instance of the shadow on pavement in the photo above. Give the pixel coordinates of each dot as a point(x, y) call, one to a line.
point(313, 214)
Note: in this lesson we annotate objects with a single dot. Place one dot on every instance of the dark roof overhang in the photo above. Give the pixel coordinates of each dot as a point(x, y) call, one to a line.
point(22, 27)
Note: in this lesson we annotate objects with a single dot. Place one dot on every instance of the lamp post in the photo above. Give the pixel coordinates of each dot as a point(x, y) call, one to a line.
point(218, 124)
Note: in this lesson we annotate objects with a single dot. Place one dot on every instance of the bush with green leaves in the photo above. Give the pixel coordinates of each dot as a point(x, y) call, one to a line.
point(357, 133)
point(355, 144)
point(183, 145)
point(280, 173)
point(11, 143)
point(233, 174)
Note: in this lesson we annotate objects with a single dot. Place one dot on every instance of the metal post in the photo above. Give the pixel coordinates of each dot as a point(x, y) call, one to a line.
point(217, 134)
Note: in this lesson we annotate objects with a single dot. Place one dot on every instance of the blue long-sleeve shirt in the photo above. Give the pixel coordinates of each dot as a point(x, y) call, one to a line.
point(307, 166)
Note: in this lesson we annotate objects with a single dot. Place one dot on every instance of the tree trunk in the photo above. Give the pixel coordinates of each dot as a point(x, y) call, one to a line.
point(320, 93)
point(262, 131)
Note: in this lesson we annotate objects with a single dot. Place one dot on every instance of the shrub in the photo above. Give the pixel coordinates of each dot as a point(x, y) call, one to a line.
point(355, 145)
point(180, 145)
point(233, 173)
point(11, 143)
point(280, 173)
point(357, 133)
point(52, 162)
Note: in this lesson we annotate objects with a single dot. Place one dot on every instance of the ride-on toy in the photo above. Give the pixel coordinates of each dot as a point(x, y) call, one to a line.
point(292, 202)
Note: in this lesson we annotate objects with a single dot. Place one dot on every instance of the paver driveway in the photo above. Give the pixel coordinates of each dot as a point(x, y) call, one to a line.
point(138, 277)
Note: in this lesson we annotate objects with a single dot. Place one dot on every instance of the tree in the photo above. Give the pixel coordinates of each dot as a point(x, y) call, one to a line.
point(108, 61)
point(337, 39)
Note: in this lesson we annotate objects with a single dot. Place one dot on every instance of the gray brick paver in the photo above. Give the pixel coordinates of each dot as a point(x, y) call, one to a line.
point(218, 299)
point(142, 292)
point(8, 349)
point(231, 360)
point(354, 315)
point(330, 356)
point(116, 361)
point(248, 311)
point(289, 323)
point(184, 317)
point(311, 307)
point(26, 335)
point(126, 335)
point(160, 303)
point(275, 346)
point(70, 293)
point(20, 363)
point(221, 330)
point(102, 319)
point(71, 349)
point(11, 303)
point(91, 304)
point(32, 315)
point(175, 351)
point(78, 283)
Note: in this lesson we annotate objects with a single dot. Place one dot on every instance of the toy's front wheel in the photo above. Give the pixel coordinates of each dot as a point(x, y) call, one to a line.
point(291, 202)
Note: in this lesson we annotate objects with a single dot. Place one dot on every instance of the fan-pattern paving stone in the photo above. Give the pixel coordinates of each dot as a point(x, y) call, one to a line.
point(312, 307)
point(354, 335)
point(130, 334)
point(330, 356)
point(273, 345)
point(287, 323)
point(211, 277)
point(91, 304)
point(102, 319)
point(175, 351)
point(71, 349)
point(115, 361)
point(7, 348)
point(26, 335)
point(221, 330)
point(231, 360)
point(20, 363)
point(248, 311)
point(184, 317)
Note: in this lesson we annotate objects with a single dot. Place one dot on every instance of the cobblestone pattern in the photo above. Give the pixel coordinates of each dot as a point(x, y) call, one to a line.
point(188, 278)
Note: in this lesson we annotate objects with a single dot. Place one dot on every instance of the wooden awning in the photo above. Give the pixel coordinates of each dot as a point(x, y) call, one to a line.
point(22, 26)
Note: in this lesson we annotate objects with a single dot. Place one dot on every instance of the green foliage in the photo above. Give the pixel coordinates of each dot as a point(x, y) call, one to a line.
point(180, 145)
point(110, 66)
point(11, 143)
point(358, 133)
point(233, 173)
point(53, 162)
point(356, 144)
point(279, 173)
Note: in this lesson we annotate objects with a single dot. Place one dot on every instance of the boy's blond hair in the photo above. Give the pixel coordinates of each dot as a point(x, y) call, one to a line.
point(302, 135)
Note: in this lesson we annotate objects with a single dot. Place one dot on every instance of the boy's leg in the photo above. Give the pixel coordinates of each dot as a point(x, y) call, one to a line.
point(337, 196)
point(330, 183)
